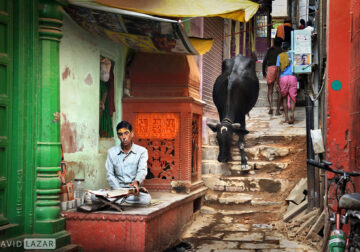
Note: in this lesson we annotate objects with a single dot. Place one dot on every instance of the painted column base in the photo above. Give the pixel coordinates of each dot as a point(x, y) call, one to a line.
point(49, 226)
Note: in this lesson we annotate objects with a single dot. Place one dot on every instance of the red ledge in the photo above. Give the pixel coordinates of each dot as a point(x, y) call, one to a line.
point(152, 212)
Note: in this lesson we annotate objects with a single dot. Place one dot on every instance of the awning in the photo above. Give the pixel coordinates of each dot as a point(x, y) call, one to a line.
point(133, 28)
point(240, 10)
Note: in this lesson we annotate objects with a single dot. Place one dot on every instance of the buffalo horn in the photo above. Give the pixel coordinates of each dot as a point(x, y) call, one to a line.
point(212, 125)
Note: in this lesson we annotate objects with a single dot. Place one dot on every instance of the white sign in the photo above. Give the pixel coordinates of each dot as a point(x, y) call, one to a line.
point(301, 44)
point(39, 243)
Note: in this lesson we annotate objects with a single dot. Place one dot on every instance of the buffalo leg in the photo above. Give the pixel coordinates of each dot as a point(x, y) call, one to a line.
point(244, 164)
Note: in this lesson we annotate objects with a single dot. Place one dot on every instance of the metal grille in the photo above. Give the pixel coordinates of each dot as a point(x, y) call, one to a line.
point(213, 28)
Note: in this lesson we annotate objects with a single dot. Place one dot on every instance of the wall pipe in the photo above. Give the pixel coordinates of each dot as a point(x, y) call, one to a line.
point(310, 153)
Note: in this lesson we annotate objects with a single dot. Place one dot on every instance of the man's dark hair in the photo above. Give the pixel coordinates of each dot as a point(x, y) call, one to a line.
point(278, 41)
point(287, 20)
point(285, 45)
point(309, 23)
point(124, 124)
point(302, 21)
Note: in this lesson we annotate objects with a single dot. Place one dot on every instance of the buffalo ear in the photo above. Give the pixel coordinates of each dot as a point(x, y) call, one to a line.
point(237, 128)
point(212, 126)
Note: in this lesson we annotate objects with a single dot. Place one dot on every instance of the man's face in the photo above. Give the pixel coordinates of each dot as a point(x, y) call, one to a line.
point(125, 136)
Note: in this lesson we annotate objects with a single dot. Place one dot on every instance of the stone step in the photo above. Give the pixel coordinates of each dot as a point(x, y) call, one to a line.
point(212, 210)
point(242, 215)
point(263, 152)
point(234, 167)
point(258, 138)
point(247, 199)
point(246, 184)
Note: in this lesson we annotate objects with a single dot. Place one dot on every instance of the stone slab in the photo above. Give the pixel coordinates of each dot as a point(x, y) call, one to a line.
point(201, 221)
point(260, 202)
point(272, 236)
point(234, 198)
point(207, 210)
point(261, 226)
point(258, 246)
point(216, 245)
point(244, 184)
point(244, 236)
point(211, 196)
point(295, 211)
point(297, 193)
point(210, 210)
point(232, 227)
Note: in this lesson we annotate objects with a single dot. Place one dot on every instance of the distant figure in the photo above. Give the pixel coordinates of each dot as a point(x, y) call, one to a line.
point(284, 31)
point(269, 72)
point(309, 26)
point(288, 82)
point(302, 24)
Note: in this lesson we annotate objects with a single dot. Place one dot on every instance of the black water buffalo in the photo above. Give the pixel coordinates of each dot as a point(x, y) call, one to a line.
point(235, 93)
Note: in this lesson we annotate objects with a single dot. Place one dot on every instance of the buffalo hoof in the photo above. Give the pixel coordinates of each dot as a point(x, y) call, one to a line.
point(245, 167)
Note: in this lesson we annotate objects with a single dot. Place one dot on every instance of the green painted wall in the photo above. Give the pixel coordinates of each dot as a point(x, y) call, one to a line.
point(80, 52)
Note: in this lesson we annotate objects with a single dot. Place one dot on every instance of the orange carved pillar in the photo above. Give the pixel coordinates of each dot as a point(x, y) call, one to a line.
point(166, 112)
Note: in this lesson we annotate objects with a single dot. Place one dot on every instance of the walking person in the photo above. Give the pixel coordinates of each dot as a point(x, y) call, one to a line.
point(269, 72)
point(302, 24)
point(284, 31)
point(288, 82)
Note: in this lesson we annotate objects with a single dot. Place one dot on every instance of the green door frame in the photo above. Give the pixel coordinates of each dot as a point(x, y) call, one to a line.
point(23, 38)
point(32, 201)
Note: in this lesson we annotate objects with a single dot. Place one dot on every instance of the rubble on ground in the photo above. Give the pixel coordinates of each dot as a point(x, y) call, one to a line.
point(301, 223)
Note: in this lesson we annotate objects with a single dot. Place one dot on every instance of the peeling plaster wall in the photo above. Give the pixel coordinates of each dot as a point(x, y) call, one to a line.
point(84, 151)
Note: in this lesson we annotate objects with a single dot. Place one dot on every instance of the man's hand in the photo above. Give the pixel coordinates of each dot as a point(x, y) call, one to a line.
point(136, 185)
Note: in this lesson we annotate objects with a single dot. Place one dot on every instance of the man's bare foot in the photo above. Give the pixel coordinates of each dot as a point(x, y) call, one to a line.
point(291, 121)
point(277, 112)
point(270, 111)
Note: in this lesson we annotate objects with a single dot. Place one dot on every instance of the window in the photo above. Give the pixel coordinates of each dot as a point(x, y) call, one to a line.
point(107, 105)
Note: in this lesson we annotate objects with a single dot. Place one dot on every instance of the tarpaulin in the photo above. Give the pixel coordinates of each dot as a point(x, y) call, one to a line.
point(240, 10)
point(135, 30)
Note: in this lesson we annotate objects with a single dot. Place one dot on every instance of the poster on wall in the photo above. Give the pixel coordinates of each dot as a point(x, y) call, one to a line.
point(301, 44)
point(261, 26)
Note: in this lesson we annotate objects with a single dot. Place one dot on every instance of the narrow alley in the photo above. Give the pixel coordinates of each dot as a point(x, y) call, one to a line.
point(108, 114)
point(244, 211)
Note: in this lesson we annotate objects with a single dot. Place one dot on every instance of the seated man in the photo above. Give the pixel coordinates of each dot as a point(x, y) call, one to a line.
point(126, 165)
